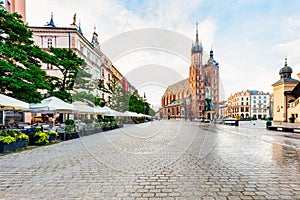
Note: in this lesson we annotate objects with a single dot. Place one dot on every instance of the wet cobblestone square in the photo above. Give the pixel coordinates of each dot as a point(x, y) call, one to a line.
point(159, 160)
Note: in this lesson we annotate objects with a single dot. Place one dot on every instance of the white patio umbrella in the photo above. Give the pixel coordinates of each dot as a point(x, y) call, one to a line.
point(101, 110)
point(131, 114)
point(111, 113)
point(83, 108)
point(52, 104)
point(9, 103)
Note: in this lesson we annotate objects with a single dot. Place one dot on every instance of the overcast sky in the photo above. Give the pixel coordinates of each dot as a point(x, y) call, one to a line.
point(250, 38)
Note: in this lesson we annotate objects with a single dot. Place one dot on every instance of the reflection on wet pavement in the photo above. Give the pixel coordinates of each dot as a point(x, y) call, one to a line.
point(160, 160)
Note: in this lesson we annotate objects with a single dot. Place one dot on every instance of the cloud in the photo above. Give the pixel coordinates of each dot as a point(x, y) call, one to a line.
point(250, 38)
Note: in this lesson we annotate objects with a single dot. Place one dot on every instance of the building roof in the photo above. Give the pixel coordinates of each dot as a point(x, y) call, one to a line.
point(286, 80)
point(211, 61)
point(252, 92)
point(285, 74)
point(177, 87)
point(174, 103)
point(286, 68)
point(296, 91)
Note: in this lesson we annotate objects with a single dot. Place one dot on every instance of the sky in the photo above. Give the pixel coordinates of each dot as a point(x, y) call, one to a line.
point(250, 38)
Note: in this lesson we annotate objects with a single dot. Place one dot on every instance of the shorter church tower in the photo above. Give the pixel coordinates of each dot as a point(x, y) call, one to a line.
point(211, 82)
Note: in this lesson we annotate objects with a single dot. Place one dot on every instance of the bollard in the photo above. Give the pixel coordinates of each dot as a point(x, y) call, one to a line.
point(268, 124)
point(236, 123)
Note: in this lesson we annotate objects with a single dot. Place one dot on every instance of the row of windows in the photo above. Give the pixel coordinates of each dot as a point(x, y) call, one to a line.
point(239, 110)
point(173, 111)
point(214, 73)
point(259, 111)
point(259, 97)
point(259, 101)
point(259, 106)
point(242, 99)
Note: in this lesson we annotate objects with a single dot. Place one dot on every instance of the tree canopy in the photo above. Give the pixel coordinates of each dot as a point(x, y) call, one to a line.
point(119, 98)
point(84, 85)
point(21, 75)
point(69, 65)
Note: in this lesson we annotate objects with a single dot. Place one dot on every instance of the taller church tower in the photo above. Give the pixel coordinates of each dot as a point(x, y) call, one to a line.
point(195, 78)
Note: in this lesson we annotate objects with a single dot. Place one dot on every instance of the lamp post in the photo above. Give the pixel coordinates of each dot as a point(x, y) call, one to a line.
point(144, 106)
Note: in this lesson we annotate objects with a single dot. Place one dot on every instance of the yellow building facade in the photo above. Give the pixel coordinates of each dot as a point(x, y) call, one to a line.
point(286, 93)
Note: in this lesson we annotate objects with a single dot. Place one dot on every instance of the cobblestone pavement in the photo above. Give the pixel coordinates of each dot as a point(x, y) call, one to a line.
point(159, 160)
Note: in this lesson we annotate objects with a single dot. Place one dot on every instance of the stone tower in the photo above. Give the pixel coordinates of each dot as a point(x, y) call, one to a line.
point(211, 83)
point(195, 78)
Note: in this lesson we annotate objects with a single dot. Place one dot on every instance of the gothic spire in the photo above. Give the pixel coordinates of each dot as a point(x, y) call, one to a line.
point(51, 23)
point(197, 40)
point(79, 29)
point(197, 47)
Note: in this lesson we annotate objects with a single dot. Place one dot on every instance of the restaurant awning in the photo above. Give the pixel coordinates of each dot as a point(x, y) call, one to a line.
point(9, 103)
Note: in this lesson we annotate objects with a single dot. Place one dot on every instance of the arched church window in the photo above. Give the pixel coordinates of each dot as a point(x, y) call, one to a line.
point(207, 93)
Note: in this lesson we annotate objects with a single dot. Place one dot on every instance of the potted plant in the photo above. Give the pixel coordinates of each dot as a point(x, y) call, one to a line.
point(107, 125)
point(70, 129)
point(52, 135)
point(41, 137)
point(12, 140)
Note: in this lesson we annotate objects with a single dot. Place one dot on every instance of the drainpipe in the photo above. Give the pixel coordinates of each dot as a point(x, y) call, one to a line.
point(286, 114)
point(69, 40)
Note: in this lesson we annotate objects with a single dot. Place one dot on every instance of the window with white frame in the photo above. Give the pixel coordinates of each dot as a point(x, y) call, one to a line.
point(49, 42)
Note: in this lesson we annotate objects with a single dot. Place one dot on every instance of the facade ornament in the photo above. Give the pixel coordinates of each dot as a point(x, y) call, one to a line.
point(74, 19)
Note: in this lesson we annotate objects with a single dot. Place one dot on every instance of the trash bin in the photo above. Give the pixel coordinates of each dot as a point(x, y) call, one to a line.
point(269, 123)
point(292, 120)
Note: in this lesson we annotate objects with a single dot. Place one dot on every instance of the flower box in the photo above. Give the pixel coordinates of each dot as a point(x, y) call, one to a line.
point(19, 144)
point(52, 137)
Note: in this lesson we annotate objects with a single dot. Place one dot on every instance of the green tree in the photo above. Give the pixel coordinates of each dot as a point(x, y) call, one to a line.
point(119, 98)
point(84, 85)
point(21, 75)
point(151, 112)
point(138, 105)
point(69, 65)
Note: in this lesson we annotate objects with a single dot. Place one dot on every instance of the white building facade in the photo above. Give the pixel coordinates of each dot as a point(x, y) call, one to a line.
point(260, 105)
point(98, 65)
point(249, 103)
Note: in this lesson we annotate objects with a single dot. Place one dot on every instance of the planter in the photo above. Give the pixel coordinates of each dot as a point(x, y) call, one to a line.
point(89, 132)
point(64, 136)
point(107, 128)
point(52, 137)
point(74, 135)
point(19, 144)
point(68, 136)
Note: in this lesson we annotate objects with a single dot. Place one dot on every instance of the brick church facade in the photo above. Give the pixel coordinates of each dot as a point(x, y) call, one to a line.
point(197, 96)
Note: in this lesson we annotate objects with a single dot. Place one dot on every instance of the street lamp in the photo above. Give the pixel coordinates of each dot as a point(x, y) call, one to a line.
point(144, 106)
point(144, 103)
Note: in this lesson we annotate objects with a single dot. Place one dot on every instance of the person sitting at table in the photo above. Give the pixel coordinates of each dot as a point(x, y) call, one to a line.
point(11, 122)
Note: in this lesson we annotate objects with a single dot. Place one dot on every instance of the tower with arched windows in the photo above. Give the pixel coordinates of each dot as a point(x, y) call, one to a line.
point(286, 95)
